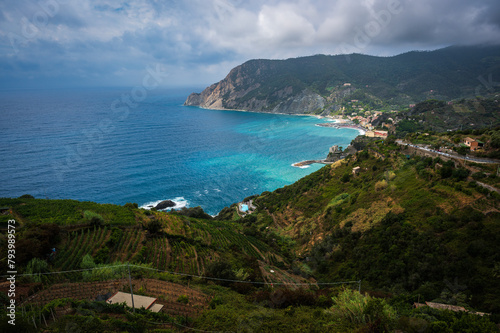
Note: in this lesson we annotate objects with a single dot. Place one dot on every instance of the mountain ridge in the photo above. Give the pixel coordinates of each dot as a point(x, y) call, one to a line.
point(323, 84)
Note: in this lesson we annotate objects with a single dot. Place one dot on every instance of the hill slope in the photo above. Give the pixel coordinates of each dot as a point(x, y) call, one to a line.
point(410, 228)
point(322, 84)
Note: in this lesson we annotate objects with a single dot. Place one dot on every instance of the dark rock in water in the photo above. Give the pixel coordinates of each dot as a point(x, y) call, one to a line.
point(150, 206)
point(165, 204)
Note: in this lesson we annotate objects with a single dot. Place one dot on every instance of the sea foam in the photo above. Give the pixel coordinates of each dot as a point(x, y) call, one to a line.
point(180, 202)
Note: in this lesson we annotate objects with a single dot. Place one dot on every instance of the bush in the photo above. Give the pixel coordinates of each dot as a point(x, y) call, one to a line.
point(94, 218)
point(352, 307)
point(460, 174)
point(478, 175)
point(345, 178)
point(154, 226)
point(349, 306)
point(36, 267)
point(102, 256)
point(221, 270)
point(381, 185)
point(184, 299)
point(131, 205)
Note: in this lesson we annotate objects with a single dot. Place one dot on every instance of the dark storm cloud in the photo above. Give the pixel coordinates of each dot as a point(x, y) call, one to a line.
point(110, 41)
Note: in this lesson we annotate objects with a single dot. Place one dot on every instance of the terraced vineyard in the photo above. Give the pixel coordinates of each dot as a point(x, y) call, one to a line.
point(167, 294)
point(185, 246)
point(78, 244)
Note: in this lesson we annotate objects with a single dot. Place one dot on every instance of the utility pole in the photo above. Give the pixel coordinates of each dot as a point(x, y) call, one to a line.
point(131, 290)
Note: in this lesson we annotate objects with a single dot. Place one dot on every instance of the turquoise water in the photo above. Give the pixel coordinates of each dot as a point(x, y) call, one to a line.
point(244, 208)
point(71, 144)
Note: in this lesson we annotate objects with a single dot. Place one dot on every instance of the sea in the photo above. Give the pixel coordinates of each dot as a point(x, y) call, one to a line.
point(120, 145)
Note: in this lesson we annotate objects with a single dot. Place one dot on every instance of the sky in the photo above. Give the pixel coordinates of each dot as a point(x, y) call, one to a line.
point(64, 43)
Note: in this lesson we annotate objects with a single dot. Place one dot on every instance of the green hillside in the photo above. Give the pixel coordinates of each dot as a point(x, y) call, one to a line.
point(380, 83)
point(409, 229)
point(403, 225)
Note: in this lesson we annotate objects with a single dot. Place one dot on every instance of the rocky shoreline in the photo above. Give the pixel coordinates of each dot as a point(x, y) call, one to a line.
point(335, 154)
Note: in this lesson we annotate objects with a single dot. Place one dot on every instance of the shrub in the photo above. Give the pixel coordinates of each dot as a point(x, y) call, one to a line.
point(154, 226)
point(94, 218)
point(217, 300)
point(102, 255)
point(352, 307)
point(131, 205)
point(381, 185)
point(345, 178)
point(349, 306)
point(221, 270)
point(478, 175)
point(36, 267)
point(184, 299)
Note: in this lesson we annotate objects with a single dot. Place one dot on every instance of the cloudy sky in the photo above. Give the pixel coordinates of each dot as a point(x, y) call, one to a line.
point(196, 42)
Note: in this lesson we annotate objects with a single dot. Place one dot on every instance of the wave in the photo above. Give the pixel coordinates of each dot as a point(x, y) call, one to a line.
point(180, 202)
point(300, 166)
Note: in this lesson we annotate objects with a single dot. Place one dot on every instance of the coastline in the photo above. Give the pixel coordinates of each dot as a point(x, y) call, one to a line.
point(332, 123)
point(332, 120)
point(279, 113)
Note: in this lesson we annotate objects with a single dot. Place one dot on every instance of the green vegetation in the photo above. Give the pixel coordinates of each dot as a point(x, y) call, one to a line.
point(465, 116)
point(411, 228)
point(355, 83)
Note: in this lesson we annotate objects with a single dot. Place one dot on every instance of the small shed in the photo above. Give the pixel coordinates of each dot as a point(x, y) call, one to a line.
point(356, 170)
point(139, 301)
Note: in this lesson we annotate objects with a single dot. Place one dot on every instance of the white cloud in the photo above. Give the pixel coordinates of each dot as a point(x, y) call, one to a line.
point(114, 38)
point(283, 26)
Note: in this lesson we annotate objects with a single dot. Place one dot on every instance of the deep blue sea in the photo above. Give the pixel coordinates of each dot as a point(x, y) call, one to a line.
point(98, 145)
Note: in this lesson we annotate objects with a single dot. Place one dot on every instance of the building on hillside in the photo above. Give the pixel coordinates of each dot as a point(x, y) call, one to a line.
point(473, 144)
point(377, 134)
point(356, 170)
point(148, 303)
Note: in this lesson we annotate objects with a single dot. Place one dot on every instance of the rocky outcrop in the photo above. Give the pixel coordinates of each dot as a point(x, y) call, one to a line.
point(336, 153)
point(165, 204)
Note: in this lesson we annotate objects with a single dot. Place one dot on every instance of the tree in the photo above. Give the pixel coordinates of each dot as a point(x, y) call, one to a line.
point(445, 172)
point(221, 270)
point(154, 226)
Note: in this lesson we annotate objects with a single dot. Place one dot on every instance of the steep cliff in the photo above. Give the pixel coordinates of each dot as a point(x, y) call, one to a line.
point(252, 86)
point(323, 84)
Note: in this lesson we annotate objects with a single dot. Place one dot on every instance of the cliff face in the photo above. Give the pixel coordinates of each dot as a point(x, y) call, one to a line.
point(246, 88)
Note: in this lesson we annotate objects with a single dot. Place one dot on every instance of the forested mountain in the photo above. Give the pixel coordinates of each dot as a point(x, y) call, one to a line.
point(323, 84)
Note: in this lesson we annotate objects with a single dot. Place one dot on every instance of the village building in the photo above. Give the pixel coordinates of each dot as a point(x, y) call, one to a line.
point(473, 144)
point(377, 134)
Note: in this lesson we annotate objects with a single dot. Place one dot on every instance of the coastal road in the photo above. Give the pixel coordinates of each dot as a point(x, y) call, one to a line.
point(457, 157)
